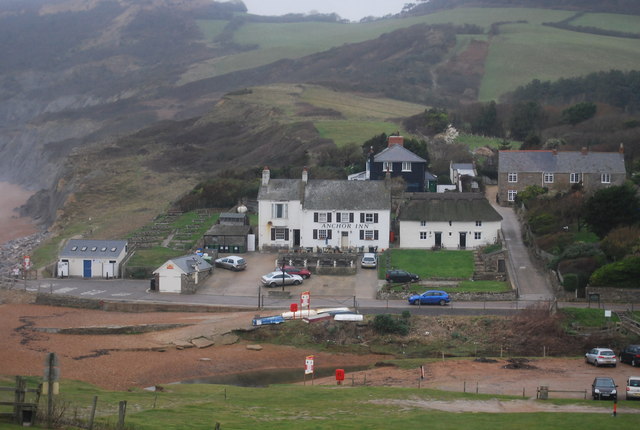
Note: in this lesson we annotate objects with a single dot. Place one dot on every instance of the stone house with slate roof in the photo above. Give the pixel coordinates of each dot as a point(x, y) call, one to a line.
point(558, 171)
point(312, 214)
point(448, 220)
point(182, 274)
point(92, 258)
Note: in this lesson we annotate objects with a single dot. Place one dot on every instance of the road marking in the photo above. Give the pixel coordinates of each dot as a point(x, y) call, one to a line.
point(92, 292)
point(522, 267)
point(65, 290)
point(121, 294)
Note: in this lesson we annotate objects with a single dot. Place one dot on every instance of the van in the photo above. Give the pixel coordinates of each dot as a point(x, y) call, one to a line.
point(633, 388)
point(369, 261)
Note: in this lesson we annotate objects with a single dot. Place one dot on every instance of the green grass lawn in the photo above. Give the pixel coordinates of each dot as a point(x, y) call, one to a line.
point(473, 141)
point(609, 21)
point(462, 287)
point(199, 407)
point(432, 264)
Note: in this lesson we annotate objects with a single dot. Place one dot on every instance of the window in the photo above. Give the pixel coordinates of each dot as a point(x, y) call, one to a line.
point(368, 234)
point(280, 233)
point(406, 166)
point(548, 178)
point(511, 195)
point(75, 248)
point(84, 248)
point(387, 166)
point(369, 217)
point(344, 217)
point(574, 178)
point(423, 235)
point(477, 235)
point(423, 223)
point(279, 210)
point(322, 217)
point(103, 249)
point(322, 234)
point(605, 178)
point(478, 223)
point(94, 249)
point(513, 177)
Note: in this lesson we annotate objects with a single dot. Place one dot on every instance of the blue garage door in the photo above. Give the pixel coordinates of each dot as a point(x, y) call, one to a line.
point(87, 268)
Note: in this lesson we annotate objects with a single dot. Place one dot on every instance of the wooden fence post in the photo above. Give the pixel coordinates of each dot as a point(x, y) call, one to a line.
point(122, 411)
point(93, 412)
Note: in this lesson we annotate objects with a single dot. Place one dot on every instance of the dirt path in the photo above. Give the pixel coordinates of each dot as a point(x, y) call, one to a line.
point(120, 362)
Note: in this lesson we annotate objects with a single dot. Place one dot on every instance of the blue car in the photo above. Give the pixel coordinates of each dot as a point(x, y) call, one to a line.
point(432, 297)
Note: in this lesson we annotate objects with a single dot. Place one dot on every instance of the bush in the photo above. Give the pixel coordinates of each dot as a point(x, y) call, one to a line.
point(621, 242)
point(623, 274)
point(570, 282)
point(544, 223)
point(579, 250)
point(386, 324)
point(555, 243)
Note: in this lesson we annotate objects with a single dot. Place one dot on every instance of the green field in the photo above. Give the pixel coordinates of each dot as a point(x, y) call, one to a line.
point(200, 407)
point(519, 53)
point(522, 52)
point(432, 264)
point(473, 141)
point(609, 21)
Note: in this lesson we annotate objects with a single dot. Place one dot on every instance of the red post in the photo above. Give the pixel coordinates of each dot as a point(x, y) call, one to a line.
point(615, 407)
point(339, 376)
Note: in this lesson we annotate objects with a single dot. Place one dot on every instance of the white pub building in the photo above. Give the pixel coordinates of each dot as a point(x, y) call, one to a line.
point(316, 214)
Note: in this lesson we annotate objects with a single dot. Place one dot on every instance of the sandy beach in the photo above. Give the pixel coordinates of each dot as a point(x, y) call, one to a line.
point(12, 226)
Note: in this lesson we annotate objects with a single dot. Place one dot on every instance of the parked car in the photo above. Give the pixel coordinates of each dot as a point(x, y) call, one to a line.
point(604, 388)
point(232, 262)
point(275, 279)
point(300, 271)
point(633, 388)
point(432, 297)
point(401, 276)
point(369, 261)
point(601, 357)
point(631, 355)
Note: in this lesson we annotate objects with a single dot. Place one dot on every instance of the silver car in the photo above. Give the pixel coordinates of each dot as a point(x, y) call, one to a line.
point(276, 279)
point(601, 357)
point(232, 262)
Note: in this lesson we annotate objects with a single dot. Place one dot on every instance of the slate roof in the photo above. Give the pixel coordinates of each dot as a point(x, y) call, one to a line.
point(449, 207)
point(89, 248)
point(397, 153)
point(464, 169)
point(562, 162)
point(346, 195)
point(281, 190)
point(228, 230)
point(186, 263)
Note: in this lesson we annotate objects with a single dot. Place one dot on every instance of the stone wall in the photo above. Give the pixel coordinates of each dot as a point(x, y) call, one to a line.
point(615, 295)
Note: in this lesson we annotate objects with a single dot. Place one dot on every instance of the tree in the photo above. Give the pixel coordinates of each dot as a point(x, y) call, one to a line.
point(579, 112)
point(526, 119)
point(612, 207)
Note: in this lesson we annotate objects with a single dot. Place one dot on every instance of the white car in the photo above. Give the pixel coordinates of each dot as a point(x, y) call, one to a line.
point(369, 260)
point(601, 357)
point(633, 388)
point(232, 262)
point(276, 279)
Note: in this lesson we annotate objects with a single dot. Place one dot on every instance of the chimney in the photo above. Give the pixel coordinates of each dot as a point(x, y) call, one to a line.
point(621, 149)
point(584, 150)
point(266, 174)
point(395, 140)
point(305, 175)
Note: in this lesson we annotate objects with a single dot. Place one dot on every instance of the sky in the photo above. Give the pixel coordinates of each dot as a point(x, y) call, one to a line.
point(352, 10)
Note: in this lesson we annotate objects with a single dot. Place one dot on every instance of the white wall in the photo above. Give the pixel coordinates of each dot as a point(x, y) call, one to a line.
point(169, 279)
point(410, 234)
point(352, 228)
point(264, 217)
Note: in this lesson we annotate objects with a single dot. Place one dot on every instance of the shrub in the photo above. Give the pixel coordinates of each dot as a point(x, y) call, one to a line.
point(570, 282)
point(620, 242)
point(543, 223)
point(624, 274)
point(555, 243)
point(386, 324)
point(579, 250)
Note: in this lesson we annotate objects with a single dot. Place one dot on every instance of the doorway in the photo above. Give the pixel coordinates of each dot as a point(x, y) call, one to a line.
point(463, 240)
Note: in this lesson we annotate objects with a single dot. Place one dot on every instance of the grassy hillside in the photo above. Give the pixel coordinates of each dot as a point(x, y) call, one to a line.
point(521, 52)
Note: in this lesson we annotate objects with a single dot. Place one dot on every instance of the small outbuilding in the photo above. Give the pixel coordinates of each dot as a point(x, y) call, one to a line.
point(181, 274)
point(231, 234)
point(89, 258)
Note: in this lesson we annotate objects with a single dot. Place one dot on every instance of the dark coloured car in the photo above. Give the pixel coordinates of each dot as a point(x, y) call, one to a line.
point(300, 271)
point(604, 388)
point(631, 355)
point(433, 297)
point(401, 276)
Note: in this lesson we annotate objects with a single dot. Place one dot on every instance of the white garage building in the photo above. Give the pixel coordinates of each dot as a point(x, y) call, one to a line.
point(92, 258)
point(181, 274)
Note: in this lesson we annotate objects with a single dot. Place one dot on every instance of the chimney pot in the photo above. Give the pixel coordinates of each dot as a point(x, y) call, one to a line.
point(584, 150)
point(305, 175)
point(621, 149)
point(266, 175)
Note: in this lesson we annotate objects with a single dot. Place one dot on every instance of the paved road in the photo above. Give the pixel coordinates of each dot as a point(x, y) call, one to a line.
point(531, 283)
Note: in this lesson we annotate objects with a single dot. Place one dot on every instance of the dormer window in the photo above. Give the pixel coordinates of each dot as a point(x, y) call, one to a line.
point(103, 249)
point(94, 249)
point(84, 248)
point(113, 249)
